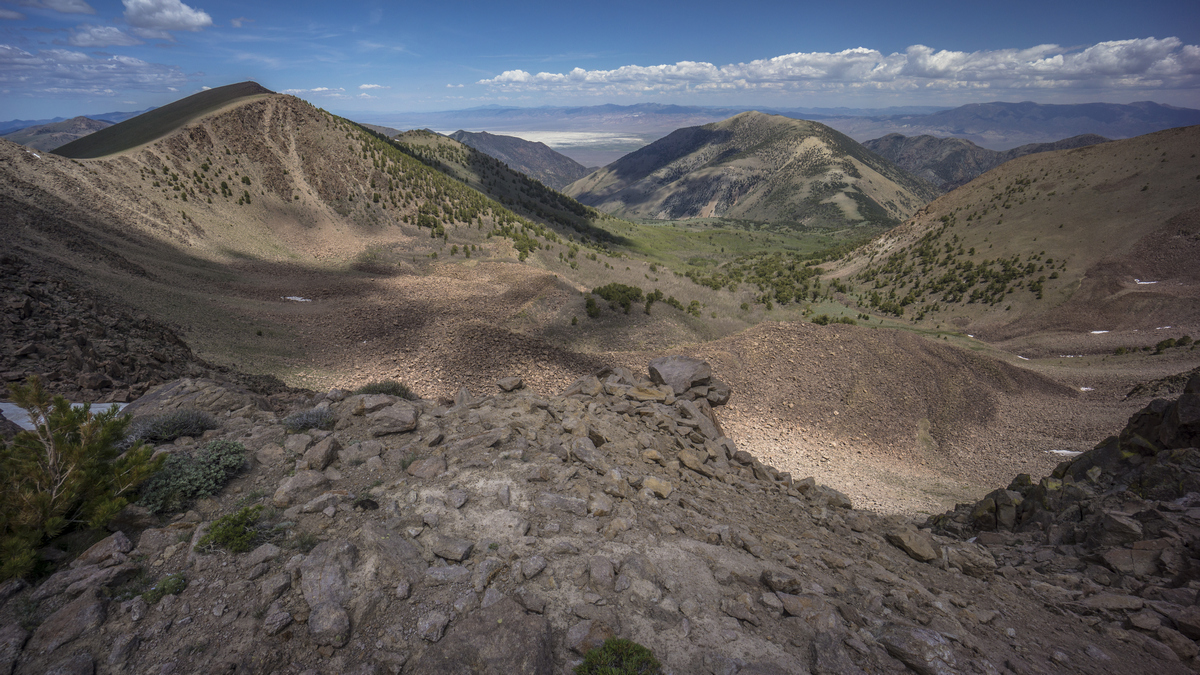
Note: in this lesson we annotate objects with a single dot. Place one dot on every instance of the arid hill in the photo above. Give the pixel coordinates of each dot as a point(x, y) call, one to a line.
point(951, 162)
point(1100, 238)
point(46, 137)
point(756, 167)
point(535, 160)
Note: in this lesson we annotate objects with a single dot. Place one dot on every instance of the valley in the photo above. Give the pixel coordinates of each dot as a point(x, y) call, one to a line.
point(424, 260)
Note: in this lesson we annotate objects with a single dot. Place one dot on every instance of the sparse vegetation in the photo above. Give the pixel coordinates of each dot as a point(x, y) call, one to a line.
point(234, 532)
point(172, 584)
point(619, 657)
point(170, 426)
point(317, 418)
point(388, 387)
point(185, 478)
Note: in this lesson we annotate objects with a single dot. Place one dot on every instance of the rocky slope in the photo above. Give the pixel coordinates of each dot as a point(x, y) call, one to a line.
point(511, 532)
point(535, 160)
point(46, 137)
point(952, 162)
point(756, 167)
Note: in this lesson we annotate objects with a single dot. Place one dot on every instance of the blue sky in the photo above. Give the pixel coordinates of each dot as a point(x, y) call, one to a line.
point(70, 57)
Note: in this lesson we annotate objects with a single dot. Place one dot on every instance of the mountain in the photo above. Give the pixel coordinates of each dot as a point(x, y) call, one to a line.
point(1002, 126)
point(1099, 238)
point(157, 123)
point(536, 160)
point(47, 137)
point(757, 167)
point(951, 162)
point(10, 126)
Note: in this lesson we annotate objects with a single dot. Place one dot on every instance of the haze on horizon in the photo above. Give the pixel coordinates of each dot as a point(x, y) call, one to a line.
point(72, 57)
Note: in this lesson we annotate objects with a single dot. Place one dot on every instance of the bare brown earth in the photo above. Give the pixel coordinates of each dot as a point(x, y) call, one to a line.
point(898, 421)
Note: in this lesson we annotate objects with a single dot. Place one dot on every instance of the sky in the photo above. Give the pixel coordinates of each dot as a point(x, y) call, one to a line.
point(61, 58)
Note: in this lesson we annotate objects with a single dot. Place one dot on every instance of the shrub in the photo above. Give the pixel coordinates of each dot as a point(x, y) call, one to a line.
point(172, 584)
point(590, 306)
point(317, 418)
point(389, 387)
point(169, 426)
point(67, 472)
point(184, 478)
point(619, 657)
point(619, 294)
point(234, 532)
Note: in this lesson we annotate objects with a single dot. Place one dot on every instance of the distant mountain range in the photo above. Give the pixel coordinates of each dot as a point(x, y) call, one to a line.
point(1001, 126)
point(110, 117)
point(951, 162)
point(536, 160)
point(759, 167)
point(47, 137)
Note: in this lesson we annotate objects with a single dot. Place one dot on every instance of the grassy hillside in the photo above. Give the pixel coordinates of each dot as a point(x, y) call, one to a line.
point(756, 167)
point(158, 122)
point(1098, 238)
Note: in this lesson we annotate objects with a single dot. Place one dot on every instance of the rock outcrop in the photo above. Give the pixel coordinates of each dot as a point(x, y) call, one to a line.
point(512, 532)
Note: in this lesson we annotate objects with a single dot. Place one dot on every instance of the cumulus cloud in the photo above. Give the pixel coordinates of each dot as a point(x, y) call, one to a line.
point(372, 86)
point(64, 6)
point(1121, 64)
point(153, 18)
point(11, 15)
point(63, 71)
point(454, 86)
point(319, 92)
point(88, 35)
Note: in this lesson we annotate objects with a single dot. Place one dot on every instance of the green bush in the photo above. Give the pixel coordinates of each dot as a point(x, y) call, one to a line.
point(619, 294)
point(172, 584)
point(68, 472)
point(234, 532)
point(317, 418)
point(185, 478)
point(169, 426)
point(590, 306)
point(619, 657)
point(389, 387)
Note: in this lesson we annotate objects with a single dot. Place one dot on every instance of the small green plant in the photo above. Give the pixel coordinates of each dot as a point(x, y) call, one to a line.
point(184, 478)
point(234, 532)
point(407, 461)
point(590, 306)
point(68, 472)
point(389, 387)
point(304, 542)
point(619, 657)
point(170, 426)
point(317, 418)
point(172, 584)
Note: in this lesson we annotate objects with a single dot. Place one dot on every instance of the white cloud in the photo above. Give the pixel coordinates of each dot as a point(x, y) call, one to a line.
point(11, 15)
point(153, 18)
point(372, 86)
point(88, 35)
point(62, 71)
point(64, 6)
point(319, 92)
point(237, 23)
point(454, 86)
point(1123, 64)
point(366, 95)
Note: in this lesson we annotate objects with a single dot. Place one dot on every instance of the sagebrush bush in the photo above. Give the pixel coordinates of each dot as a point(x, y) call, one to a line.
point(172, 584)
point(317, 418)
point(184, 478)
point(68, 472)
point(234, 532)
point(619, 657)
point(389, 387)
point(170, 426)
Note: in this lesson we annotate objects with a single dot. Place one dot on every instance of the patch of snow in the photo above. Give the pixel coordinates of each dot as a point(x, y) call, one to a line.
point(296, 298)
point(1098, 332)
point(1022, 357)
point(1162, 328)
point(1070, 356)
point(1144, 283)
point(17, 415)
point(1067, 453)
point(1087, 389)
point(969, 335)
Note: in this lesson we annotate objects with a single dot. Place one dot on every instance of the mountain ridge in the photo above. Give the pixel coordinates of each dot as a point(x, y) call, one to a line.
point(534, 159)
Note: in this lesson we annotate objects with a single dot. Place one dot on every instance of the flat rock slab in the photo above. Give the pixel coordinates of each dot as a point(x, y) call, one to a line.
point(486, 643)
point(918, 545)
point(394, 419)
point(299, 488)
point(680, 372)
point(85, 613)
point(323, 574)
point(430, 467)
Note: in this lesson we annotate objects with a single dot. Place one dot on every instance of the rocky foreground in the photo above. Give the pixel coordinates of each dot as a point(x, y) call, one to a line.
point(511, 532)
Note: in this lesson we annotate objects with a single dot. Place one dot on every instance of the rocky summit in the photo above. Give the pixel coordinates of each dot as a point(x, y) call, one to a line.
point(510, 532)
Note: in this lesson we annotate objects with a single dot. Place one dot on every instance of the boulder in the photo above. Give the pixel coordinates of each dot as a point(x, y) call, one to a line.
point(680, 372)
point(485, 643)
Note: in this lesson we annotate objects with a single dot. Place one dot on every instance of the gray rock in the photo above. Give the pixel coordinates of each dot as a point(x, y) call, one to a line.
point(483, 644)
point(456, 498)
point(680, 372)
point(85, 613)
point(924, 651)
point(76, 664)
point(555, 502)
point(585, 450)
point(484, 573)
point(323, 453)
point(276, 619)
point(587, 635)
point(918, 544)
point(429, 467)
point(262, 554)
point(329, 624)
point(394, 419)
point(510, 383)
point(299, 488)
point(602, 575)
point(111, 547)
point(12, 641)
point(393, 547)
point(450, 548)
point(123, 647)
point(432, 626)
point(533, 566)
point(323, 574)
point(449, 574)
